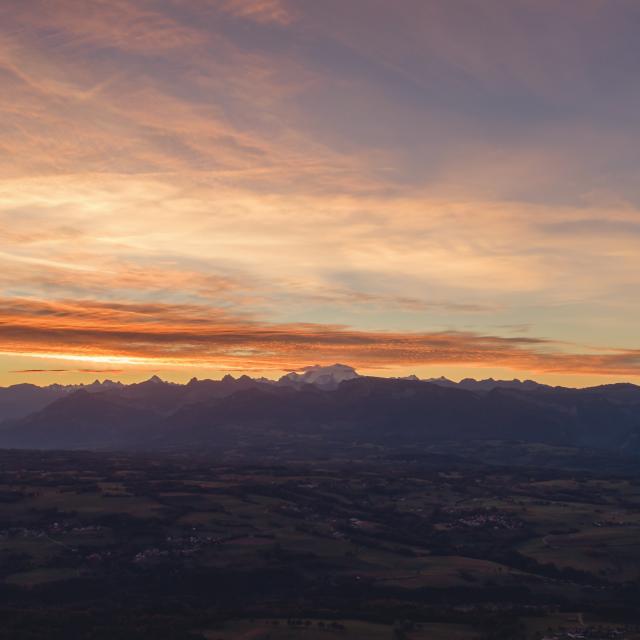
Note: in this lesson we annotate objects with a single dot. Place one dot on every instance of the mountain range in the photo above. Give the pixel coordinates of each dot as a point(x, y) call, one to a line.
point(318, 407)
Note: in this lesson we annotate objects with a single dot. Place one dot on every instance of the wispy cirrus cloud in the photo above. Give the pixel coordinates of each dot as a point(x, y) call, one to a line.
point(137, 27)
point(262, 11)
point(427, 169)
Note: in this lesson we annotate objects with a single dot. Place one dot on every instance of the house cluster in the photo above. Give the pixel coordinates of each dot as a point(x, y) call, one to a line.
point(193, 542)
point(363, 525)
point(150, 556)
point(98, 557)
point(596, 632)
point(55, 528)
point(21, 532)
point(176, 546)
point(613, 523)
point(484, 520)
point(293, 511)
point(69, 527)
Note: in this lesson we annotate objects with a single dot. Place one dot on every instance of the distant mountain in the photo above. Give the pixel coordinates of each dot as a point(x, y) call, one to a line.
point(79, 420)
point(488, 384)
point(20, 400)
point(313, 410)
point(327, 377)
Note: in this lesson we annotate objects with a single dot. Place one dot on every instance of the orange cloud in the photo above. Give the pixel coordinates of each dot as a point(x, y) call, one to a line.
point(191, 335)
point(119, 24)
point(97, 371)
point(263, 11)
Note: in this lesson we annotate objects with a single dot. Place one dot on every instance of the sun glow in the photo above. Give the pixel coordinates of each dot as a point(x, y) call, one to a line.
point(96, 359)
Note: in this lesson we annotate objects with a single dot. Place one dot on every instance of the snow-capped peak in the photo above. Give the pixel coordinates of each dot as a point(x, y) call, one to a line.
point(322, 376)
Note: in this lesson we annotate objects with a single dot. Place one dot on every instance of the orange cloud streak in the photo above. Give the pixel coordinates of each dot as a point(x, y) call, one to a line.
point(263, 11)
point(199, 335)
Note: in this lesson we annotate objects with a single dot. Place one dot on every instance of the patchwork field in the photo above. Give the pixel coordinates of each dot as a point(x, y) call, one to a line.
point(204, 548)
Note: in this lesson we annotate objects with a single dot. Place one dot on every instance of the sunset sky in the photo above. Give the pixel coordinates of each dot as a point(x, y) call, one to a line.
point(439, 187)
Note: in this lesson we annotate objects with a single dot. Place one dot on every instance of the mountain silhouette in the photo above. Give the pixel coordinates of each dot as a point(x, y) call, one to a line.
point(317, 408)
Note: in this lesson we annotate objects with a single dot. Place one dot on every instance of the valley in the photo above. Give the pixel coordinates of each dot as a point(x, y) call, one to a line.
point(186, 546)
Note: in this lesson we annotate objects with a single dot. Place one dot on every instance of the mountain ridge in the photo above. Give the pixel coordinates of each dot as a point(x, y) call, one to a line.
point(374, 411)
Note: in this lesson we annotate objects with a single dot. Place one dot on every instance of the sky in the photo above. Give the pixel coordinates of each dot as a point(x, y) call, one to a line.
point(438, 187)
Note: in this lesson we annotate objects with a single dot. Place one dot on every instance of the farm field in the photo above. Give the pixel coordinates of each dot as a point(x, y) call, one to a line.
point(207, 548)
